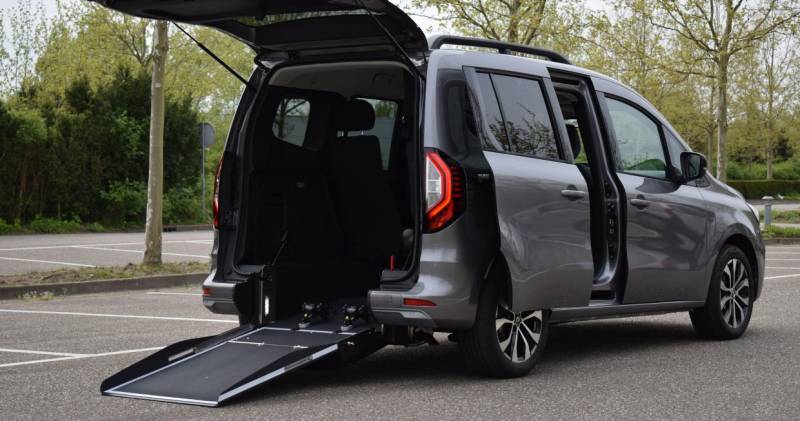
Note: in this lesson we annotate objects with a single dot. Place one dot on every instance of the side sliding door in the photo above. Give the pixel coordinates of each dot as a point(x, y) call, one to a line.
point(542, 198)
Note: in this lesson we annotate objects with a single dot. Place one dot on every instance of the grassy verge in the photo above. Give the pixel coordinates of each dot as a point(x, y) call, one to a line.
point(781, 232)
point(107, 272)
point(784, 217)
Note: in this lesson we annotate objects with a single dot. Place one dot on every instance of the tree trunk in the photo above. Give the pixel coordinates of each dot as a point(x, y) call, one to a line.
point(722, 116)
point(155, 180)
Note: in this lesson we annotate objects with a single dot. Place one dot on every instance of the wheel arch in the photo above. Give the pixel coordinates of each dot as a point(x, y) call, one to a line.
point(497, 271)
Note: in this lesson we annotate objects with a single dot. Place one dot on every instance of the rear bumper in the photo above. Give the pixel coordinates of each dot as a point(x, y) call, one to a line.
point(220, 300)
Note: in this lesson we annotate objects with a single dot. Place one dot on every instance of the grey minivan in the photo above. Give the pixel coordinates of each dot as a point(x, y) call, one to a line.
point(377, 187)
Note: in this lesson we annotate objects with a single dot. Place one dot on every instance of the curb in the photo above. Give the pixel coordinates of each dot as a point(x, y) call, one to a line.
point(778, 241)
point(104, 285)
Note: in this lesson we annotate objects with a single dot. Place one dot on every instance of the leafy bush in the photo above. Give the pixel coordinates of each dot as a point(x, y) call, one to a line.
point(6, 228)
point(739, 171)
point(125, 203)
point(53, 226)
point(756, 189)
point(182, 206)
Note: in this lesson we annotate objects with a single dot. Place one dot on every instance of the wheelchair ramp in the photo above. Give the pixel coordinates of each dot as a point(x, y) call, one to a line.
point(210, 371)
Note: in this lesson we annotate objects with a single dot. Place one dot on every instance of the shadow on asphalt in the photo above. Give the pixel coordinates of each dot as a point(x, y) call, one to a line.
point(427, 365)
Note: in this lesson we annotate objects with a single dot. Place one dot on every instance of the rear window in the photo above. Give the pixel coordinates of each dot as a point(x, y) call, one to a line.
point(385, 119)
point(291, 120)
point(516, 116)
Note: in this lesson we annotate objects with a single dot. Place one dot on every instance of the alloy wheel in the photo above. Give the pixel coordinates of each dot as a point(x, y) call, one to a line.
point(518, 333)
point(734, 293)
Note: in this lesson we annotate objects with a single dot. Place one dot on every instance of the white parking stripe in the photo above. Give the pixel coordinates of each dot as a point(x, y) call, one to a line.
point(140, 251)
point(26, 351)
point(104, 354)
point(94, 245)
point(120, 316)
point(171, 293)
point(783, 252)
point(51, 262)
point(783, 260)
point(796, 275)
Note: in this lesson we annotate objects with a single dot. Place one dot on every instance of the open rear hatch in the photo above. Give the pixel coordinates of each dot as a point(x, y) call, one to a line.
point(209, 371)
point(291, 26)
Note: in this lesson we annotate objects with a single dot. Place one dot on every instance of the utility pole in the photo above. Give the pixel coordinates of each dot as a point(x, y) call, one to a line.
point(155, 180)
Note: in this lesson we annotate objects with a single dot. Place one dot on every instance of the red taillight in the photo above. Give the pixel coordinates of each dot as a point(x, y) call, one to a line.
point(206, 291)
point(444, 191)
point(215, 199)
point(416, 302)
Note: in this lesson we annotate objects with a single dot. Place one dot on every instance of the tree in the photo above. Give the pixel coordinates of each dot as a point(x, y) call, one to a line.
point(26, 40)
point(720, 30)
point(521, 21)
point(155, 180)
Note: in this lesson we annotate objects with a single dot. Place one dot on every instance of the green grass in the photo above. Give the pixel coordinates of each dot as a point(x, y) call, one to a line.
point(781, 232)
point(784, 217)
point(103, 272)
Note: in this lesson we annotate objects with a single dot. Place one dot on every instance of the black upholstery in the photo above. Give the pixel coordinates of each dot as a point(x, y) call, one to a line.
point(363, 199)
point(354, 115)
point(574, 140)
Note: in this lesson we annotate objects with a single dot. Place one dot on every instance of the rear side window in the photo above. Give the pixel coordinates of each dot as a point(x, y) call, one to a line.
point(493, 118)
point(638, 141)
point(385, 119)
point(528, 126)
point(291, 120)
point(516, 116)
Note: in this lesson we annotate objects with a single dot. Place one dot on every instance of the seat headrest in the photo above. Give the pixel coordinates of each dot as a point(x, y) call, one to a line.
point(354, 115)
point(574, 140)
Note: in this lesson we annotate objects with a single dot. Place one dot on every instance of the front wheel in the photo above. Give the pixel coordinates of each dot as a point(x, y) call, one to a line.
point(729, 304)
point(503, 343)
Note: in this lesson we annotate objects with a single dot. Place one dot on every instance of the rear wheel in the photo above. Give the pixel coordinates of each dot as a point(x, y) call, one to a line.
point(729, 303)
point(503, 343)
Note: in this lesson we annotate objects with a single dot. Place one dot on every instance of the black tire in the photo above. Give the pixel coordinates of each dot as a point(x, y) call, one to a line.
point(481, 345)
point(729, 303)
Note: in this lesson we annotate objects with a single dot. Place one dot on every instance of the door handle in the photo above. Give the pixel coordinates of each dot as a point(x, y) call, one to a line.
point(573, 194)
point(639, 202)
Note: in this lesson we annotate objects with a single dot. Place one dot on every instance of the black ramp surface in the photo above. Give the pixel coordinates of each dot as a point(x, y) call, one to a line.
point(217, 374)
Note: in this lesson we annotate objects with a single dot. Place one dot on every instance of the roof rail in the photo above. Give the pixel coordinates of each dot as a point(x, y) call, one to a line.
point(435, 42)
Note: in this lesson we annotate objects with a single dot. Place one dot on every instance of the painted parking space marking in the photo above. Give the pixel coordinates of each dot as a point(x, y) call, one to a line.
point(173, 293)
point(81, 356)
point(51, 262)
point(28, 351)
point(794, 275)
point(140, 251)
point(119, 316)
point(138, 243)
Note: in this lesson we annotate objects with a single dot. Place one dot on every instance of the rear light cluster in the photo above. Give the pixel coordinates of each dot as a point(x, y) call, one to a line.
point(444, 191)
point(215, 200)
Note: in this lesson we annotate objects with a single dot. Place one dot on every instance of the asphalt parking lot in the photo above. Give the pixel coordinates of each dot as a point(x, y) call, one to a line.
point(41, 253)
point(54, 354)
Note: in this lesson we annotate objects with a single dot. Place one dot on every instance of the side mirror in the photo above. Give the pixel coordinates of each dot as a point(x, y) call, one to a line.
point(693, 165)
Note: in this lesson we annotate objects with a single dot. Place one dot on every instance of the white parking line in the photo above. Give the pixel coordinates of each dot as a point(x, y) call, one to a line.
point(51, 262)
point(796, 275)
point(94, 245)
point(783, 252)
point(26, 351)
point(82, 356)
point(783, 260)
point(171, 293)
point(120, 316)
point(140, 251)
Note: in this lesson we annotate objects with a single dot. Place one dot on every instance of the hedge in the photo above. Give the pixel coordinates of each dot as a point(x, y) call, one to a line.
point(756, 189)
